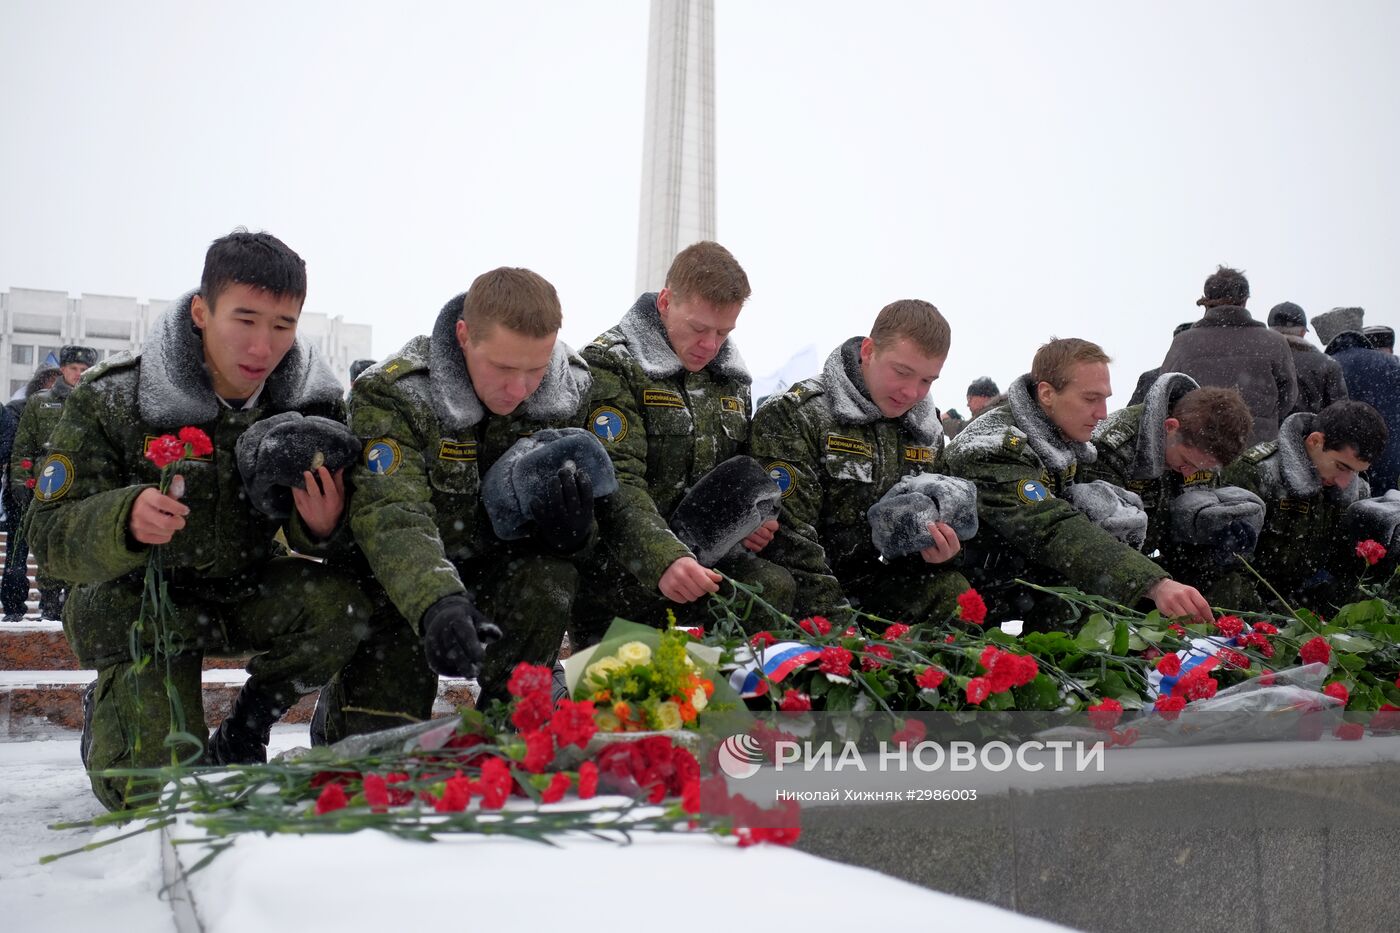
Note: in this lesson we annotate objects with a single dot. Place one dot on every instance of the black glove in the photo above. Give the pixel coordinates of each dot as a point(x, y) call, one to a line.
point(564, 511)
point(455, 636)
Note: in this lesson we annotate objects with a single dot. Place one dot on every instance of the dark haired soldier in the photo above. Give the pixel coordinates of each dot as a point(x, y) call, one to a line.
point(41, 414)
point(1308, 478)
point(1228, 348)
point(221, 359)
point(671, 402)
point(982, 394)
point(15, 589)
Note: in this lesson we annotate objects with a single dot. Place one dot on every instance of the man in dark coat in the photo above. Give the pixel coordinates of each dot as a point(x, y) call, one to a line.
point(1149, 378)
point(1228, 348)
point(1373, 377)
point(1320, 381)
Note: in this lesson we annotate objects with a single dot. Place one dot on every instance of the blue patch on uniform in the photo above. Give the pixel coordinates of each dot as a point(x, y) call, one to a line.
point(382, 456)
point(1031, 491)
point(609, 424)
point(781, 475)
point(55, 476)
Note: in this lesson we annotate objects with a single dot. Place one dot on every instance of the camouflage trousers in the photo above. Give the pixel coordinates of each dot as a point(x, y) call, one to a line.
point(388, 682)
point(301, 620)
point(609, 592)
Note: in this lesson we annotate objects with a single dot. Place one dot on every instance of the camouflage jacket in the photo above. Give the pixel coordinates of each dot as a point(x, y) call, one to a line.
point(416, 508)
point(1022, 466)
point(96, 466)
point(833, 455)
point(1131, 453)
point(40, 417)
point(664, 427)
point(1304, 550)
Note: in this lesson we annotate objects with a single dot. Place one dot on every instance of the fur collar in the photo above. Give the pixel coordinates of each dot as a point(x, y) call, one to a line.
point(646, 338)
point(175, 390)
point(455, 403)
point(849, 399)
point(1296, 476)
point(1228, 316)
point(1150, 454)
point(1054, 450)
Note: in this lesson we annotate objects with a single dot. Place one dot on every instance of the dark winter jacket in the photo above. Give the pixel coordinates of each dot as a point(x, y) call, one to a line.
point(1320, 381)
point(1228, 348)
point(1373, 377)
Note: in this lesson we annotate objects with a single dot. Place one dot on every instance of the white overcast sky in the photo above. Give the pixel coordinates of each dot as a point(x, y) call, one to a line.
point(1034, 169)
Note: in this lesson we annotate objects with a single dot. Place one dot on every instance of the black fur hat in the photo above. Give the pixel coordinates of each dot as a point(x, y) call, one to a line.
point(1224, 521)
point(275, 452)
point(1376, 519)
point(72, 354)
point(899, 521)
point(1112, 508)
point(517, 479)
point(724, 507)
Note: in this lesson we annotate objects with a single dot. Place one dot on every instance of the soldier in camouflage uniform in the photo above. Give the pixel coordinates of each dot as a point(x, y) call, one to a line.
point(1023, 456)
point(671, 401)
point(1179, 438)
point(1308, 479)
point(835, 444)
point(220, 359)
point(41, 414)
point(434, 417)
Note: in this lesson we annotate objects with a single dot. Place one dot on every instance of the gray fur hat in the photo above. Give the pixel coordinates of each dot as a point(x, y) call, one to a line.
point(1225, 521)
point(1376, 519)
point(724, 507)
point(518, 478)
point(74, 354)
point(273, 454)
point(899, 521)
point(1337, 321)
point(1113, 508)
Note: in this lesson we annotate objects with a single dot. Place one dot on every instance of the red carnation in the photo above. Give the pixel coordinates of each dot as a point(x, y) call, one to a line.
point(1266, 679)
point(1266, 628)
point(1386, 719)
point(1315, 651)
point(573, 724)
point(495, 783)
point(795, 701)
point(930, 678)
point(1232, 658)
point(1229, 626)
point(971, 608)
point(988, 656)
point(332, 798)
point(1372, 552)
point(398, 796)
point(896, 631)
point(1169, 665)
point(165, 450)
point(530, 679)
point(836, 660)
point(978, 689)
point(875, 657)
point(816, 625)
point(1259, 642)
point(30, 483)
point(531, 712)
point(948, 640)
point(1177, 629)
point(558, 786)
point(763, 640)
point(690, 797)
point(911, 733)
point(1105, 714)
point(1170, 706)
point(376, 793)
point(587, 780)
point(200, 445)
point(1196, 685)
point(1124, 739)
point(26, 463)
point(1350, 731)
point(456, 794)
point(539, 751)
point(1338, 691)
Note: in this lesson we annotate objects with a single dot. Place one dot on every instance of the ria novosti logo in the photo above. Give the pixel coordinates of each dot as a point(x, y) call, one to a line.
point(740, 756)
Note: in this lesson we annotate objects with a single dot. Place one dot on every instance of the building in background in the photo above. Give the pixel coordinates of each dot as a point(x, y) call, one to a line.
point(678, 143)
point(36, 322)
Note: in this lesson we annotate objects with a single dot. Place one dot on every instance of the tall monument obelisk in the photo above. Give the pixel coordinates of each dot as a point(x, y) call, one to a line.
point(678, 147)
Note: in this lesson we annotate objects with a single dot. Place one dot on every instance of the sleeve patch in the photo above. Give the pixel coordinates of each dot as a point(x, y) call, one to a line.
point(382, 456)
point(783, 476)
point(608, 423)
point(1031, 491)
point(55, 478)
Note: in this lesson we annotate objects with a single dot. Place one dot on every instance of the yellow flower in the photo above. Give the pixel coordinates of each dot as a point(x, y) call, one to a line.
point(599, 671)
point(607, 722)
point(699, 700)
point(668, 715)
point(634, 653)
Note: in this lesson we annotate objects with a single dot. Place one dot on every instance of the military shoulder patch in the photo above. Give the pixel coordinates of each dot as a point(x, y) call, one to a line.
point(918, 454)
point(382, 456)
point(662, 398)
point(730, 403)
point(783, 476)
point(840, 444)
point(1259, 452)
point(1013, 441)
point(1031, 491)
point(608, 423)
point(462, 451)
point(55, 478)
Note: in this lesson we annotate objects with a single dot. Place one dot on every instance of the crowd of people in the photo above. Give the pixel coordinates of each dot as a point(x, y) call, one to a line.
point(487, 489)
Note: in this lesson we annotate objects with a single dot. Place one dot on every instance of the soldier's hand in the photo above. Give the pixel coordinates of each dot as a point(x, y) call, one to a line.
point(945, 543)
point(686, 581)
point(762, 536)
point(321, 503)
point(456, 635)
point(155, 517)
point(563, 511)
point(1177, 599)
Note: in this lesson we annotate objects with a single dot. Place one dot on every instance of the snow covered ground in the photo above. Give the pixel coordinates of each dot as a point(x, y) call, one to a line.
point(370, 881)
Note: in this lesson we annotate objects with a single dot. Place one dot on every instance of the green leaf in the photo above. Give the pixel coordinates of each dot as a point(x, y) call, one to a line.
point(1352, 643)
point(1151, 635)
point(819, 686)
point(840, 698)
point(1096, 635)
point(1352, 662)
point(1049, 643)
point(1120, 638)
point(1041, 693)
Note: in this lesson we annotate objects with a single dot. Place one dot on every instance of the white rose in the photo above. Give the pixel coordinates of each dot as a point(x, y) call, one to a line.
point(698, 699)
point(668, 716)
point(634, 653)
point(599, 671)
